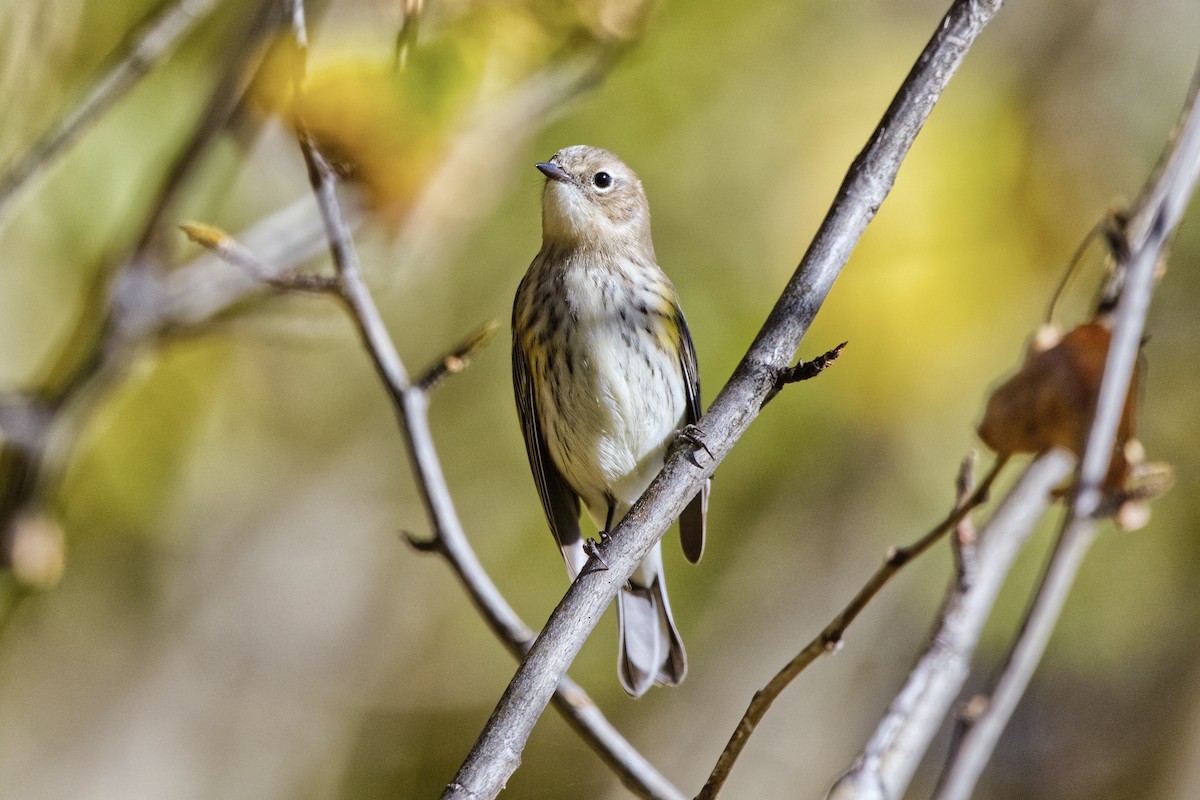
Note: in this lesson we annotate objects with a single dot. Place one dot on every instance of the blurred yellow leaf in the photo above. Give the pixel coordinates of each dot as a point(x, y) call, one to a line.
point(388, 127)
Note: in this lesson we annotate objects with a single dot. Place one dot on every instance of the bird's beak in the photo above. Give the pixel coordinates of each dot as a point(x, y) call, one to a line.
point(553, 171)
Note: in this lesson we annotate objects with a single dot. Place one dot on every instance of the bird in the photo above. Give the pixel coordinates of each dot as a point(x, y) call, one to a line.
point(605, 376)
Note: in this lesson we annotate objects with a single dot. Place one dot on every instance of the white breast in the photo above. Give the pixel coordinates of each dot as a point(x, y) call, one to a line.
point(624, 399)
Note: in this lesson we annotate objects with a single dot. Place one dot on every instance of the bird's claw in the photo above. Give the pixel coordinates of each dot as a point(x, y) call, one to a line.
point(694, 436)
point(592, 549)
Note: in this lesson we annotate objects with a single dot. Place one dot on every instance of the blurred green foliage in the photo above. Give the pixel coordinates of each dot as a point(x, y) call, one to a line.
point(238, 617)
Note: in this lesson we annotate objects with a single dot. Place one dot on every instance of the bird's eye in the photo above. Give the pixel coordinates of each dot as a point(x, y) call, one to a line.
point(602, 180)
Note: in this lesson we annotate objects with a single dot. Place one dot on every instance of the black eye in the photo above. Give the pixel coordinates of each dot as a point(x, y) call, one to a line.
point(602, 180)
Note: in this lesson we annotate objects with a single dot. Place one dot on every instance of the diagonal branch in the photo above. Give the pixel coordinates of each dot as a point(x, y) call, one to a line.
point(448, 539)
point(159, 39)
point(411, 402)
point(1143, 243)
point(890, 757)
point(457, 359)
point(497, 752)
point(142, 308)
point(197, 292)
point(129, 300)
point(830, 639)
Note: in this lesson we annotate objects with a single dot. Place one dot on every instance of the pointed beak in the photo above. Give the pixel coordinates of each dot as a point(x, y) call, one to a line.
point(553, 171)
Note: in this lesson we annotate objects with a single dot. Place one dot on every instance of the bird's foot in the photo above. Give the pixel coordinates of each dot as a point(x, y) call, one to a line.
point(593, 549)
point(695, 437)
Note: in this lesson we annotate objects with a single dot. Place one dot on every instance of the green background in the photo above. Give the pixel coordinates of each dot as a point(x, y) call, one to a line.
point(240, 616)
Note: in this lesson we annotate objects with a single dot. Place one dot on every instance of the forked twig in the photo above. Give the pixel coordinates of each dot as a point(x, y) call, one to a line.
point(803, 371)
point(830, 638)
point(457, 359)
point(497, 751)
point(411, 404)
point(158, 39)
point(1142, 245)
point(890, 757)
point(233, 252)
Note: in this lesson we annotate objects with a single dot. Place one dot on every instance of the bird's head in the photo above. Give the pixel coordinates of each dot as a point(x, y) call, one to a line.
point(591, 199)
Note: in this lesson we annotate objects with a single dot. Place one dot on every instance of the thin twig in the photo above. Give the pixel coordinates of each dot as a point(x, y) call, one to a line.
point(233, 252)
point(830, 638)
point(803, 371)
point(100, 347)
point(1154, 219)
point(224, 99)
point(201, 290)
point(962, 544)
point(410, 26)
point(497, 751)
point(457, 359)
point(160, 38)
point(411, 403)
point(494, 128)
point(450, 541)
point(891, 755)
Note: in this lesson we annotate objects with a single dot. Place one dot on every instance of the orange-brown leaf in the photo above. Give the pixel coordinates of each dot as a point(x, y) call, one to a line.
point(1051, 400)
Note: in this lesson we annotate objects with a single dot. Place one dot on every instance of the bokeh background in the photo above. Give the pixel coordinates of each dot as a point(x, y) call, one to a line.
point(239, 616)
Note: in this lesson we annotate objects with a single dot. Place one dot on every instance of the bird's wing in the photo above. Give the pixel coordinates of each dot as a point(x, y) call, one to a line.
point(692, 520)
point(559, 500)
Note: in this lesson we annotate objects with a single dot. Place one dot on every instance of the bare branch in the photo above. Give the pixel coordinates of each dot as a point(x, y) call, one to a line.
point(962, 544)
point(457, 359)
point(803, 371)
point(892, 754)
point(496, 753)
point(130, 303)
point(830, 639)
point(496, 126)
point(412, 404)
point(200, 290)
point(1151, 224)
point(448, 538)
point(410, 26)
point(233, 252)
point(160, 38)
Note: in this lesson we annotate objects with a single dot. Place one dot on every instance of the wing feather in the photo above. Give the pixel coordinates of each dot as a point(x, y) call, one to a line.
point(559, 501)
point(693, 520)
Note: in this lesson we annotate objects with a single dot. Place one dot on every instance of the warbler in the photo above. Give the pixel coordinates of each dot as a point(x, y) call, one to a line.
point(605, 374)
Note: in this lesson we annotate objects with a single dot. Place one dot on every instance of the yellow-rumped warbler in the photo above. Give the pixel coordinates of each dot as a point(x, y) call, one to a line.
point(605, 374)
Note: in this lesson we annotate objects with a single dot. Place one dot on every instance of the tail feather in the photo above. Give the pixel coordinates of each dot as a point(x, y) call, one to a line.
point(651, 651)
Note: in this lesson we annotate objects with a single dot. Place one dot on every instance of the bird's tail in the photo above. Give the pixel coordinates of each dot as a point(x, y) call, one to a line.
point(651, 651)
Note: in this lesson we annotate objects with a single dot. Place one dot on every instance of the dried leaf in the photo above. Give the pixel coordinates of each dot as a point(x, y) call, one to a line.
point(1051, 400)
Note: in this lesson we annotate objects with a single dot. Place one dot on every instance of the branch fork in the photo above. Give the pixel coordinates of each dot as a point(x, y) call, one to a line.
point(802, 371)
